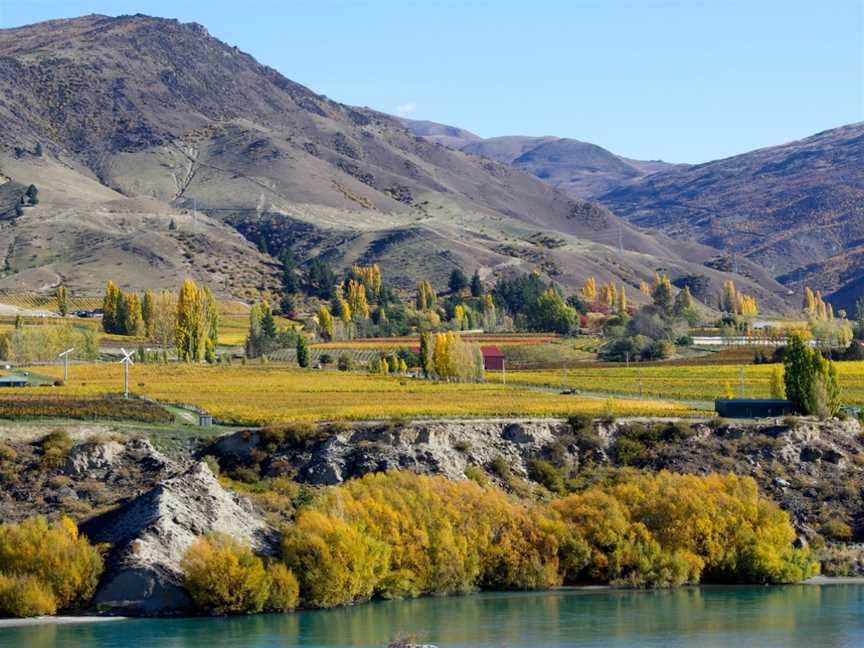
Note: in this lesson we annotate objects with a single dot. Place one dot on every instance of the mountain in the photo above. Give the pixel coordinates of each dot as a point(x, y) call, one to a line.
point(579, 169)
point(797, 209)
point(449, 136)
point(159, 152)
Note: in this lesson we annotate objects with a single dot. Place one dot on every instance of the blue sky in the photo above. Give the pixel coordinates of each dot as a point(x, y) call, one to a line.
point(680, 80)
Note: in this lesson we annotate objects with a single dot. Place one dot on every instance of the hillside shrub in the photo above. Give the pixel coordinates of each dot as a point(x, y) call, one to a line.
point(25, 596)
point(400, 534)
point(224, 577)
point(546, 474)
point(54, 554)
point(284, 588)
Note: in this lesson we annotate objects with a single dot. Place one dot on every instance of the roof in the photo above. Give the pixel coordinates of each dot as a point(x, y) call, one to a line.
point(755, 401)
point(13, 380)
point(491, 352)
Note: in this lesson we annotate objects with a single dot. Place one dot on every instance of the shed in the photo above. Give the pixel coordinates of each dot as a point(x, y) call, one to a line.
point(493, 358)
point(753, 408)
point(14, 381)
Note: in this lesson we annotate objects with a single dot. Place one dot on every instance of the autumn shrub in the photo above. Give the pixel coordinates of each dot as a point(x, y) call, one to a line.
point(54, 554)
point(55, 448)
point(25, 596)
point(400, 534)
point(836, 529)
point(224, 577)
point(546, 474)
point(477, 475)
point(284, 588)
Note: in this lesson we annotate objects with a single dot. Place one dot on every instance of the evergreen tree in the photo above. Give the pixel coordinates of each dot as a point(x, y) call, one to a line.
point(457, 282)
point(476, 285)
point(426, 354)
point(148, 312)
point(302, 351)
point(290, 284)
point(321, 280)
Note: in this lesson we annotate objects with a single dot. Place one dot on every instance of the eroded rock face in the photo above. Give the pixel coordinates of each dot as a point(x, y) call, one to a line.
point(150, 535)
point(444, 447)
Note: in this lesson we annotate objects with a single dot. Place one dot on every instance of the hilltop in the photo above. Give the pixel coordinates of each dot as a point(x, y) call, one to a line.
point(127, 124)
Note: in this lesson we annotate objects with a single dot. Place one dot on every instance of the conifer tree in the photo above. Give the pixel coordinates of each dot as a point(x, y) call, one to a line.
point(476, 285)
point(302, 351)
point(62, 301)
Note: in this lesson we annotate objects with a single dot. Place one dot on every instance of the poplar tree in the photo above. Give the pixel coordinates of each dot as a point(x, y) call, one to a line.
point(148, 309)
point(302, 351)
point(62, 301)
point(109, 307)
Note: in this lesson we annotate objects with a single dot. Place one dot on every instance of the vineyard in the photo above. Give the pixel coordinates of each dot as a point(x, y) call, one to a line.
point(691, 382)
point(254, 395)
point(392, 343)
point(25, 406)
point(34, 301)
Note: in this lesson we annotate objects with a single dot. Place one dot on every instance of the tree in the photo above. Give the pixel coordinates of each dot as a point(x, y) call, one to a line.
point(147, 313)
point(589, 290)
point(62, 301)
point(811, 380)
point(290, 284)
point(662, 294)
point(457, 282)
point(859, 318)
point(172, 225)
point(302, 352)
point(325, 322)
point(197, 322)
point(163, 317)
point(551, 314)
point(778, 387)
point(426, 296)
point(357, 302)
point(321, 280)
point(476, 285)
point(109, 308)
point(133, 320)
point(426, 347)
point(32, 195)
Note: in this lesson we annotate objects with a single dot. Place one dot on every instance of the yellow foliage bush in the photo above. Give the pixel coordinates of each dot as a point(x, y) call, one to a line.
point(400, 534)
point(284, 588)
point(224, 577)
point(66, 563)
point(25, 596)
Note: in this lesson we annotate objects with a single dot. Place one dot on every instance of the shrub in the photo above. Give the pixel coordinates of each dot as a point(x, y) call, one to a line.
point(284, 588)
point(477, 475)
point(836, 529)
point(500, 467)
point(55, 448)
point(325, 359)
point(25, 596)
point(54, 554)
point(345, 362)
point(224, 577)
point(546, 474)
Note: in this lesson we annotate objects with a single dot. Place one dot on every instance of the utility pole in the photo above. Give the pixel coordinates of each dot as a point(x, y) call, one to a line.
point(65, 356)
point(126, 361)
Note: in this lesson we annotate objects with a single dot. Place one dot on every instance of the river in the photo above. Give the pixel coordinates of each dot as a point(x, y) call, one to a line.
point(830, 616)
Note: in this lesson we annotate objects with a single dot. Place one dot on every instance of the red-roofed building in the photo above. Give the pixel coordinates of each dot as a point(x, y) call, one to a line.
point(493, 357)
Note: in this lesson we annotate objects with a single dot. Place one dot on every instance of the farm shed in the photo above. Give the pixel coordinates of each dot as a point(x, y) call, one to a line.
point(752, 408)
point(14, 381)
point(493, 357)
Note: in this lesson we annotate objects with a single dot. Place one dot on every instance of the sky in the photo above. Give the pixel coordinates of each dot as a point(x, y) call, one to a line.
point(678, 80)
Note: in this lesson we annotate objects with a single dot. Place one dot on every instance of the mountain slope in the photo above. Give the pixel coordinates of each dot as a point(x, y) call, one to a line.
point(796, 209)
point(127, 123)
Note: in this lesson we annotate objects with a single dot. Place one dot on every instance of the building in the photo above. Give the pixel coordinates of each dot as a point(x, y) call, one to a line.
point(493, 357)
point(752, 408)
point(14, 381)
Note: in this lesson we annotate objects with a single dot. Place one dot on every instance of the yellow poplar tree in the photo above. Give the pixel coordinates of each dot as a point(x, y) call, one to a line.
point(589, 290)
point(325, 322)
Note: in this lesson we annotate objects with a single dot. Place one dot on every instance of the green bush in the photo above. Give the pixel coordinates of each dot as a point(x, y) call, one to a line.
point(836, 529)
point(546, 474)
point(477, 474)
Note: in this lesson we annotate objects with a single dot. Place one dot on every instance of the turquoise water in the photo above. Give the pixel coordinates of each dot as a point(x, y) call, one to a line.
point(743, 617)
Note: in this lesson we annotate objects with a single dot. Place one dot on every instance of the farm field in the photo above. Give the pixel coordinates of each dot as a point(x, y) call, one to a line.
point(387, 343)
point(258, 395)
point(687, 382)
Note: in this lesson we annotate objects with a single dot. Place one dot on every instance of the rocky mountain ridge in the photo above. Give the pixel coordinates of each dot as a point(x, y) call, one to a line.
point(126, 124)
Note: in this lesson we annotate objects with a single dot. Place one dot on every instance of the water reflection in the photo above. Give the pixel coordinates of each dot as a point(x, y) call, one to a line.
point(713, 617)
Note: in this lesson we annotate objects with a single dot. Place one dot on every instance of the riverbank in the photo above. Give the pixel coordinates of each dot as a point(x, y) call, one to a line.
point(57, 620)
